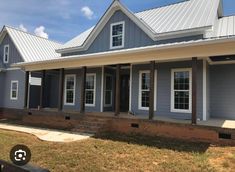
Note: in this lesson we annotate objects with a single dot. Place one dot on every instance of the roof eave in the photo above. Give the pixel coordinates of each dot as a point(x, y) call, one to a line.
point(133, 50)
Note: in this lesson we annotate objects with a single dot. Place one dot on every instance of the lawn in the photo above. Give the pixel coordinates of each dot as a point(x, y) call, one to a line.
point(118, 152)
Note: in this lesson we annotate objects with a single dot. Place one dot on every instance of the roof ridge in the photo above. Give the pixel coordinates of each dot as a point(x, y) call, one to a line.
point(173, 3)
point(17, 29)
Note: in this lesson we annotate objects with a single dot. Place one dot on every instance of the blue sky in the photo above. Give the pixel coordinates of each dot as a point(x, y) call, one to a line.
point(61, 20)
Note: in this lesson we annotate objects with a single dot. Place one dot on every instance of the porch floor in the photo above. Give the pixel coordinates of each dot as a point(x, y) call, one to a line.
point(222, 123)
point(212, 122)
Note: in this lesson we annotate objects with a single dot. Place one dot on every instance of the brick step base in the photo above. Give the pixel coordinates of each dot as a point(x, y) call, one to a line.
point(91, 125)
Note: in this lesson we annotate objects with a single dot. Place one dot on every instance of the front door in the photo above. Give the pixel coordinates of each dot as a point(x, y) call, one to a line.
point(124, 97)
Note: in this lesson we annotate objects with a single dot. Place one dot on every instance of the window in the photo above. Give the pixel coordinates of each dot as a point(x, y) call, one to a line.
point(117, 33)
point(181, 90)
point(90, 89)
point(108, 90)
point(14, 90)
point(144, 90)
point(6, 54)
point(70, 82)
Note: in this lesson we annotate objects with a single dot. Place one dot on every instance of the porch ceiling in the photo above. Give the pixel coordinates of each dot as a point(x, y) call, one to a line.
point(138, 55)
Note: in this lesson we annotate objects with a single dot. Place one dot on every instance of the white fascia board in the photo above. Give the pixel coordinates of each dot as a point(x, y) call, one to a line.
point(128, 51)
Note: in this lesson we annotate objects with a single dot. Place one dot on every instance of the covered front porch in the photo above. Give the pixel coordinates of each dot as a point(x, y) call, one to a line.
point(154, 82)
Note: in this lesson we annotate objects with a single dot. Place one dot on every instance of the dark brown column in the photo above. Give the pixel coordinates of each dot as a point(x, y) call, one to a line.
point(83, 87)
point(194, 90)
point(117, 95)
point(61, 90)
point(151, 90)
point(42, 88)
point(26, 93)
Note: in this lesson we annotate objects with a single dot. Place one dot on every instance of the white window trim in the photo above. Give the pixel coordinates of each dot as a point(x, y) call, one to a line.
point(111, 35)
point(155, 91)
point(74, 90)
point(14, 98)
point(93, 104)
point(111, 104)
point(4, 54)
point(172, 90)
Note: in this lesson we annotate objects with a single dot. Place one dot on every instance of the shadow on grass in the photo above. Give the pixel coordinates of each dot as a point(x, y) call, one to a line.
point(158, 142)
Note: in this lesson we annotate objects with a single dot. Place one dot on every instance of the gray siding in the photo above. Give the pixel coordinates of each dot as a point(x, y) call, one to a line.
point(14, 55)
point(6, 102)
point(164, 89)
point(222, 91)
point(77, 72)
point(134, 36)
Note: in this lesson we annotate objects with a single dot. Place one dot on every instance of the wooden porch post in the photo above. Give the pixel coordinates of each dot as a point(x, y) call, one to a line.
point(151, 90)
point(26, 93)
point(61, 90)
point(83, 87)
point(42, 89)
point(194, 90)
point(117, 95)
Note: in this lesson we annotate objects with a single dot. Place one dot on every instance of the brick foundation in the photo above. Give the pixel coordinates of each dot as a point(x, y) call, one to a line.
point(69, 121)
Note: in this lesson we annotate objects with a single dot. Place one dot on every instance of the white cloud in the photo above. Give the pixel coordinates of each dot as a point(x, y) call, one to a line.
point(40, 31)
point(21, 27)
point(87, 12)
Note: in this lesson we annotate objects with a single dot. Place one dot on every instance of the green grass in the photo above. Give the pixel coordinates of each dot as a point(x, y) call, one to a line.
point(118, 152)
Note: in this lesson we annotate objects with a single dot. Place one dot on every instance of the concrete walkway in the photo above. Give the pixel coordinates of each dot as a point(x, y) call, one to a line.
point(46, 134)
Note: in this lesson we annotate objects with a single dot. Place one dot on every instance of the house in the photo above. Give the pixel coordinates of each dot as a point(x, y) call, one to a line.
point(18, 46)
point(175, 61)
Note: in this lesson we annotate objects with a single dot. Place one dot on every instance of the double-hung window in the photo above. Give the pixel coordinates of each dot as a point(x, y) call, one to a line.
point(90, 89)
point(70, 82)
point(14, 90)
point(117, 32)
point(144, 89)
point(6, 54)
point(108, 90)
point(181, 95)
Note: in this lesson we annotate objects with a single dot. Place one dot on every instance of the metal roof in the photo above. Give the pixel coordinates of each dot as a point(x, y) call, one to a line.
point(79, 40)
point(186, 15)
point(225, 27)
point(191, 14)
point(32, 47)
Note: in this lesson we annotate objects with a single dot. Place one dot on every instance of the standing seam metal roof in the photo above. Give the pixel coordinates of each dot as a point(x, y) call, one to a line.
point(185, 15)
point(32, 47)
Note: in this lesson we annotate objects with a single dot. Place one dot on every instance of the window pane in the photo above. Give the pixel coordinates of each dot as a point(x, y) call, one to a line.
point(145, 99)
point(182, 100)
point(90, 82)
point(181, 80)
point(117, 29)
point(89, 97)
point(69, 96)
point(14, 86)
point(70, 83)
point(13, 94)
point(108, 97)
point(145, 81)
point(117, 41)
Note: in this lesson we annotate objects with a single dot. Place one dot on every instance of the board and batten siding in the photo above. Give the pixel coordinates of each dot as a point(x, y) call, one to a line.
point(78, 74)
point(13, 75)
point(134, 37)
point(10, 75)
point(163, 101)
point(14, 55)
point(222, 91)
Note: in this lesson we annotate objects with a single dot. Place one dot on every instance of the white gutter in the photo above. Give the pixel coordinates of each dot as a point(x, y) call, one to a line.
point(129, 51)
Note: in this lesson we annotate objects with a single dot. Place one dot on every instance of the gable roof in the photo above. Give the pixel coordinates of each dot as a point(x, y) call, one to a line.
point(31, 47)
point(187, 16)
